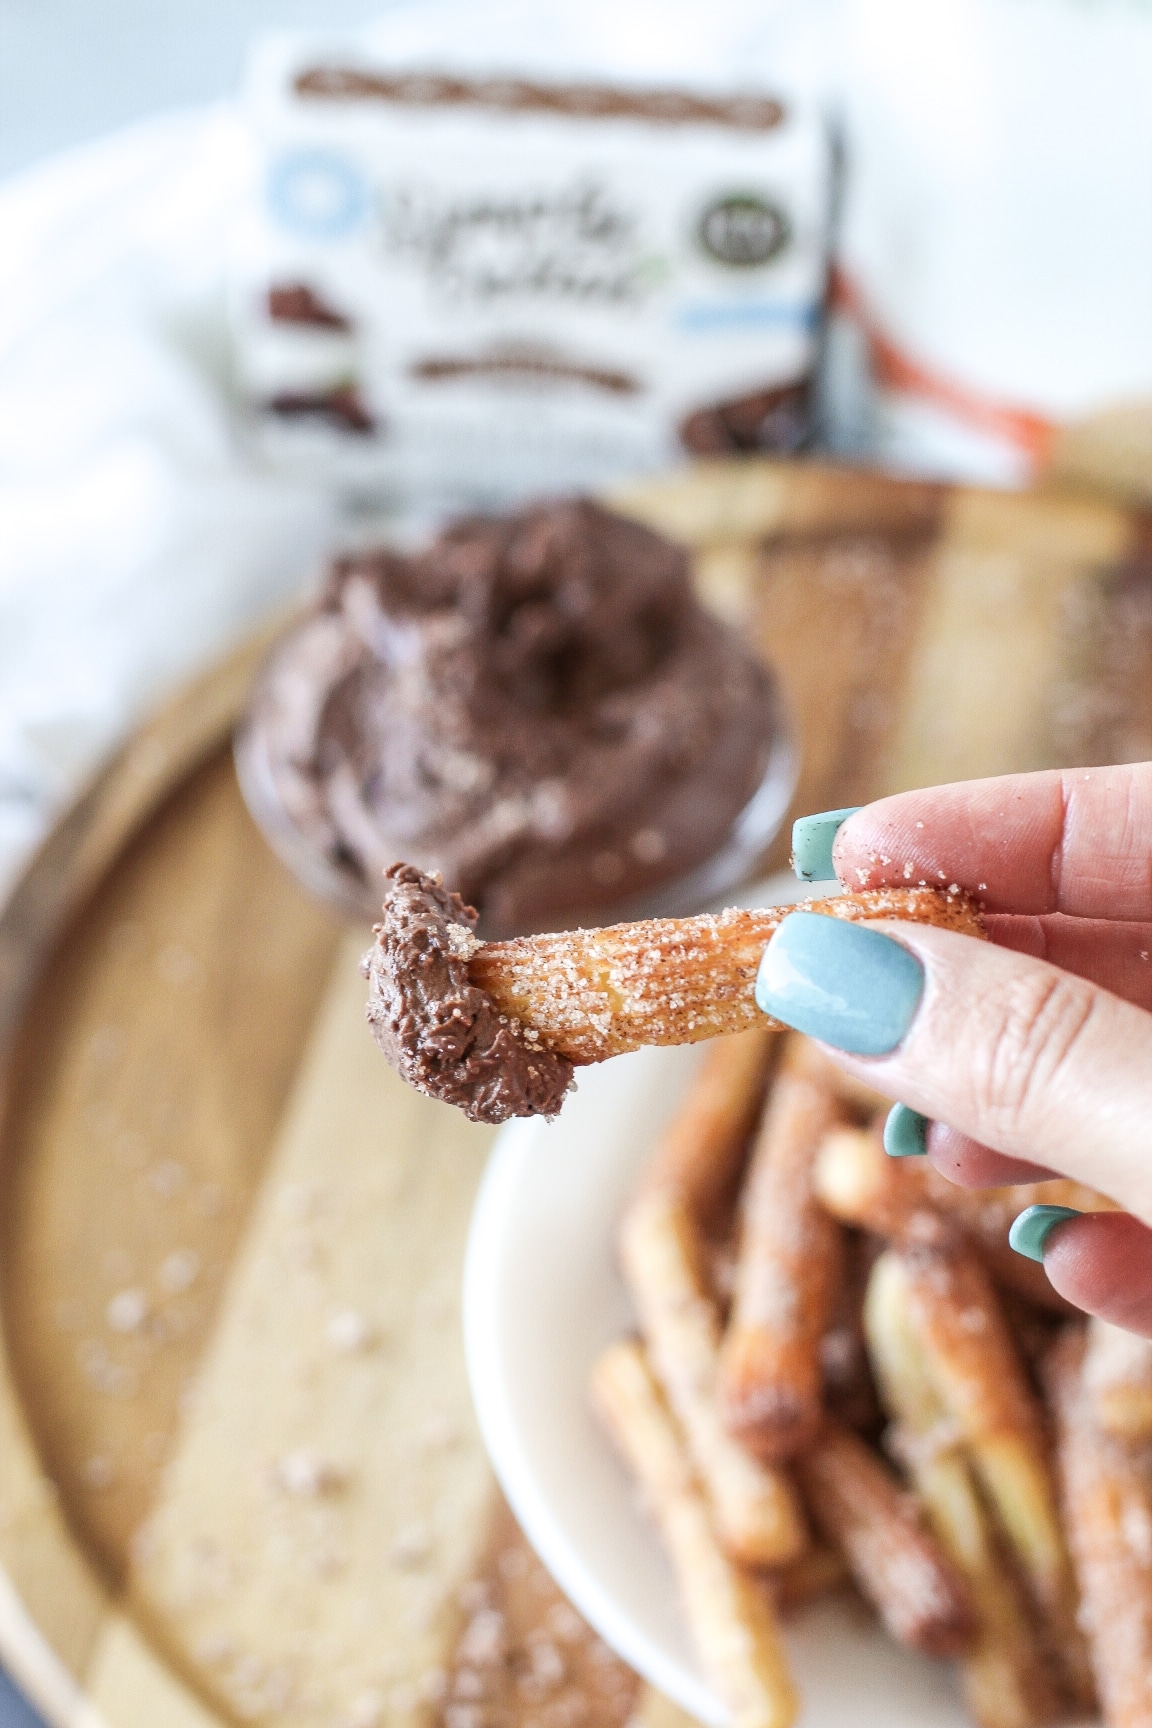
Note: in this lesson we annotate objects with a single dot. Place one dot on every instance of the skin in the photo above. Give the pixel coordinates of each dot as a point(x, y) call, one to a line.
point(1036, 1048)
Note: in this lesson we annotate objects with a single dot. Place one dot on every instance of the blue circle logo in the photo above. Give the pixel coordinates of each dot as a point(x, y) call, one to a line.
point(317, 193)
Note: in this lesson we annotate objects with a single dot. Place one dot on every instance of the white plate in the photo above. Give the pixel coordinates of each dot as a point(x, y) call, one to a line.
point(542, 1296)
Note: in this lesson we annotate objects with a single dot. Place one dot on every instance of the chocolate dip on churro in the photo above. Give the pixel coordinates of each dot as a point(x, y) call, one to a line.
point(536, 706)
point(497, 1028)
point(442, 1033)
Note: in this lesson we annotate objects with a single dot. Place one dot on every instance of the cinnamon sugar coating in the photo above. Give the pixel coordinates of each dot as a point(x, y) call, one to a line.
point(596, 993)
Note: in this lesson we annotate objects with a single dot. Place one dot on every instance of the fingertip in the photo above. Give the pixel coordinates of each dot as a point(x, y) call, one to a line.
point(970, 1165)
point(1101, 1262)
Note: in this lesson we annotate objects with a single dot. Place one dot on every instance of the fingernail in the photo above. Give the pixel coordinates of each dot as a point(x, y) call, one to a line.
point(1030, 1231)
point(812, 838)
point(905, 1133)
point(848, 985)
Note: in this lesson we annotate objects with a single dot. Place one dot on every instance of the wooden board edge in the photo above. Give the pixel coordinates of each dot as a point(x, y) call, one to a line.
point(41, 1674)
point(124, 793)
point(36, 1545)
point(128, 1684)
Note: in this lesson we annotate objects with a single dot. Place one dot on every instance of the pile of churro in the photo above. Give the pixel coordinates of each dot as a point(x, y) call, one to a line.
point(844, 1378)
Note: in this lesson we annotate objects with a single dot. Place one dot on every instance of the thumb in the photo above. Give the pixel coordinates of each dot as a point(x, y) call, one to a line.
point(1026, 1059)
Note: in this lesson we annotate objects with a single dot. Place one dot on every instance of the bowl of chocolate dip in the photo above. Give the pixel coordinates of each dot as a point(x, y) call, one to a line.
point(536, 706)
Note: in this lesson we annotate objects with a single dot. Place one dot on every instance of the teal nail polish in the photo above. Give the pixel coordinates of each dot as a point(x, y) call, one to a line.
point(846, 984)
point(1030, 1231)
point(905, 1133)
point(812, 838)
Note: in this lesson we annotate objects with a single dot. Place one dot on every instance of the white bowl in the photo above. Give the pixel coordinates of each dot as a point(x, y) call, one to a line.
point(542, 1296)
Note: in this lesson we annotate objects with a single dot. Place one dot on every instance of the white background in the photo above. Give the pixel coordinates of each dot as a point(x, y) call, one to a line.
point(71, 70)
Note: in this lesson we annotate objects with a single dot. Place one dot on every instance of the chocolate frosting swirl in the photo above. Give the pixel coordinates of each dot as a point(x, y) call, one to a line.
point(536, 706)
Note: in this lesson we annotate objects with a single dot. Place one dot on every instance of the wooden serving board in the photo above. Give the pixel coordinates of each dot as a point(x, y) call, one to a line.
point(239, 1475)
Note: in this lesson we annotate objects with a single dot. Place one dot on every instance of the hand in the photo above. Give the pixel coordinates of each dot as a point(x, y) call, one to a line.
point(1035, 1048)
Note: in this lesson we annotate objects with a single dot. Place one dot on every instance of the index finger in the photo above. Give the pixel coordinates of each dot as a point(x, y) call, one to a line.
point(1077, 841)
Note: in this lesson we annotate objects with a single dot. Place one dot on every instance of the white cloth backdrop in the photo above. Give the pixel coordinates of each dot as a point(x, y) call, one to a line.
point(135, 541)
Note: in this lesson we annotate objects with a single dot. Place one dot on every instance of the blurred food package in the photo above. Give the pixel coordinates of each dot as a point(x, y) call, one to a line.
point(472, 276)
point(996, 252)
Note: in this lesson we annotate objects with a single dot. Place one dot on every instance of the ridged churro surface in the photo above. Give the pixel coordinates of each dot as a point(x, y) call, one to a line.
point(1108, 1512)
point(592, 994)
point(788, 1273)
point(898, 1564)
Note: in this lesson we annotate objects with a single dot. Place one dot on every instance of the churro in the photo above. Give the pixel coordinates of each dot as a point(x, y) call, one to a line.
point(699, 1154)
point(755, 1510)
point(1118, 1382)
point(982, 1383)
point(756, 1513)
point(859, 1184)
point(820, 1571)
point(591, 994)
point(849, 1389)
point(897, 1563)
point(497, 1027)
point(865, 1288)
point(731, 1619)
point(1108, 1510)
point(861, 1102)
point(787, 1272)
point(1003, 1674)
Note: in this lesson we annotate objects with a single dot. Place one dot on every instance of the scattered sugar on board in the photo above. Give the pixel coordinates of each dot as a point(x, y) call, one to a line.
point(524, 1657)
point(349, 1332)
point(179, 1271)
point(127, 1310)
point(306, 1474)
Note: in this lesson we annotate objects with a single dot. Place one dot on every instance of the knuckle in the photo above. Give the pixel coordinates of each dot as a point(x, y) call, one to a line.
point(1035, 1027)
